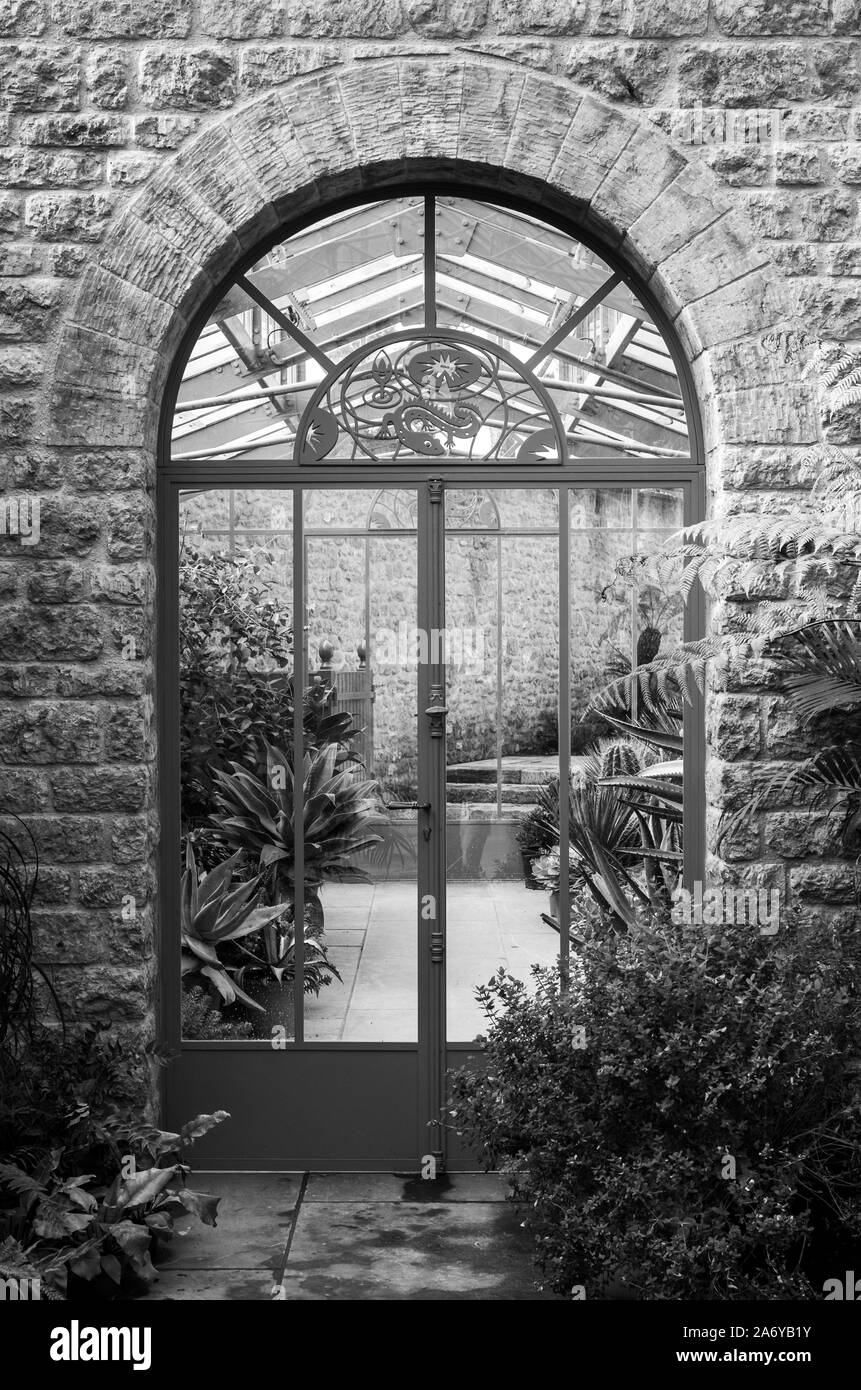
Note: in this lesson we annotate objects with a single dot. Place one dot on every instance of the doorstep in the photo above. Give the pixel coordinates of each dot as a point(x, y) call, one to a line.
point(352, 1236)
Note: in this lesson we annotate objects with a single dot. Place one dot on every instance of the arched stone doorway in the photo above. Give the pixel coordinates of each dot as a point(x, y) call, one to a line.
point(522, 410)
point(318, 141)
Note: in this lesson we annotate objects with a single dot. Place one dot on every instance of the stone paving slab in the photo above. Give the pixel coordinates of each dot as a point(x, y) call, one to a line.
point(357, 1236)
point(211, 1285)
point(254, 1218)
point(402, 1251)
point(404, 1187)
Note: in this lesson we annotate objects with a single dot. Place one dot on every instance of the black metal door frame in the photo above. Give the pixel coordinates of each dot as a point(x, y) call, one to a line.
point(364, 1083)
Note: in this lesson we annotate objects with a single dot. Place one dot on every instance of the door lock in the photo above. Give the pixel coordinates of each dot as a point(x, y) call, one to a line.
point(436, 717)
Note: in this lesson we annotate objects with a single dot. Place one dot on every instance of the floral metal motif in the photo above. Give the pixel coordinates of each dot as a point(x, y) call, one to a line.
point(466, 509)
point(394, 509)
point(432, 397)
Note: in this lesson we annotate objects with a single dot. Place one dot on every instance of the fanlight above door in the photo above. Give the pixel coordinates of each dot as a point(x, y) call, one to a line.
point(430, 327)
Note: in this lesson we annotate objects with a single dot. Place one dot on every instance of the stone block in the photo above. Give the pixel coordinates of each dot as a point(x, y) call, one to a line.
point(798, 164)
point(733, 75)
point(79, 131)
point(198, 79)
point(666, 19)
point(554, 18)
point(23, 18)
point(26, 168)
point(123, 19)
point(68, 216)
point(20, 366)
point(40, 77)
point(106, 789)
point(28, 308)
point(131, 527)
point(50, 634)
point(23, 792)
point(762, 18)
point(271, 65)
point(127, 735)
point(635, 72)
point(345, 19)
point(107, 77)
point(57, 732)
point(164, 132)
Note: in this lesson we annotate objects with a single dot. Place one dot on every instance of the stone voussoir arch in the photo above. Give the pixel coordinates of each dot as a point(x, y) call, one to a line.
point(361, 127)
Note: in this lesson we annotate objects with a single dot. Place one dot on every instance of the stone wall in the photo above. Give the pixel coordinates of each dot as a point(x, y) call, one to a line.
point(145, 145)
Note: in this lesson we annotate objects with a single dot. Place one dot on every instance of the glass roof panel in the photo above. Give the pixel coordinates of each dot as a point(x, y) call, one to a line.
point(564, 320)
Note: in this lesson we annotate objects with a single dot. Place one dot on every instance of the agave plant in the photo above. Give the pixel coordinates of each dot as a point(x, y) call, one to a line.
point(214, 912)
point(256, 818)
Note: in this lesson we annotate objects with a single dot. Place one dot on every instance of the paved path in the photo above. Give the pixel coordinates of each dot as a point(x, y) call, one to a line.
point(371, 934)
point(353, 1236)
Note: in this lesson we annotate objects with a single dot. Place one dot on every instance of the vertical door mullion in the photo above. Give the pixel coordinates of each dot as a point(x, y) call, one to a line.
point(168, 687)
point(564, 740)
point(299, 682)
point(693, 717)
point(432, 823)
point(430, 261)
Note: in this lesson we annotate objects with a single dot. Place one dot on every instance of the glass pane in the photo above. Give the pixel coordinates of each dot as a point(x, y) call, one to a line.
point(361, 597)
point(620, 617)
point(515, 298)
point(660, 605)
point(249, 378)
point(502, 744)
point(236, 696)
point(505, 276)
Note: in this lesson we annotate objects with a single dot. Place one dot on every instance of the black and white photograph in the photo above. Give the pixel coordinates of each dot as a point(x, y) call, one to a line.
point(430, 673)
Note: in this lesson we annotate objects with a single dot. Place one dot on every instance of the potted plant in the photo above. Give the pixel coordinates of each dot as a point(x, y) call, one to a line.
point(535, 836)
point(267, 977)
point(546, 871)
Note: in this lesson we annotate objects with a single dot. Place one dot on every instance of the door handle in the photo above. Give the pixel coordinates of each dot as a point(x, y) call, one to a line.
point(406, 805)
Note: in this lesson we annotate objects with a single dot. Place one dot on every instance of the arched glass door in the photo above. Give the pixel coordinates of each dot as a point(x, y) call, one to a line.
point(412, 450)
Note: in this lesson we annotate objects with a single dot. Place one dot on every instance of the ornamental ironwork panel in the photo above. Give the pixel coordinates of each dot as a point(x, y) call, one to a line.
point(434, 395)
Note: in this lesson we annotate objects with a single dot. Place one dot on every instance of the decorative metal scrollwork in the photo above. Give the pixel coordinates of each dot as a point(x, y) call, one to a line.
point(429, 397)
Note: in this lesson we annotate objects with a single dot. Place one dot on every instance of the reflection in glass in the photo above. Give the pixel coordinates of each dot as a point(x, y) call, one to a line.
point(236, 720)
point(502, 734)
point(362, 667)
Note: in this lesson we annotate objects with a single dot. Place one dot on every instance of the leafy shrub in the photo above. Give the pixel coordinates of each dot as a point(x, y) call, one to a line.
point(86, 1237)
point(88, 1194)
point(698, 1043)
point(70, 1091)
point(236, 686)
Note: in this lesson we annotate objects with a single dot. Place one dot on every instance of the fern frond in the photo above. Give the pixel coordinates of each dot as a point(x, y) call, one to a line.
point(833, 769)
point(823, 667)
point(20, 1182)
point(848, 392)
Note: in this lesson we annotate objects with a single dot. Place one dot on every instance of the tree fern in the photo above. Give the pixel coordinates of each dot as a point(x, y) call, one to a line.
point(789, 587)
